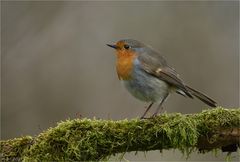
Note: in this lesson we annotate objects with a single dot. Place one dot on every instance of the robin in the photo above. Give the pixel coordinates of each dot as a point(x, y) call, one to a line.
point(148, 77)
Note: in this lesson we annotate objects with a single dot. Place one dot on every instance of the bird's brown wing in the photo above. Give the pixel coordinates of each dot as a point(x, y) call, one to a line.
point(168, 75)
point(154, 64)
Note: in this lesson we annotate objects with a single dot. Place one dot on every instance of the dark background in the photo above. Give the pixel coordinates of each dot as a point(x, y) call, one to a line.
point(55, 64)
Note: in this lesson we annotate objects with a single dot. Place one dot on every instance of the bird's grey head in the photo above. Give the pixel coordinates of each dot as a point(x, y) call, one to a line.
point(127, 44)
point(132, 43)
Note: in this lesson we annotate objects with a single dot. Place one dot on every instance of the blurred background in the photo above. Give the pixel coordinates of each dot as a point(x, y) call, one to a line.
point(55, 64)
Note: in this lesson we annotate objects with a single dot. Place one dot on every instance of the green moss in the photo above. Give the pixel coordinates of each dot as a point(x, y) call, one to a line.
point(86, 139)
point(15, 149)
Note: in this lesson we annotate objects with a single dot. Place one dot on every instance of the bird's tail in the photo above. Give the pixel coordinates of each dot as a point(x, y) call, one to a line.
point(202, 97)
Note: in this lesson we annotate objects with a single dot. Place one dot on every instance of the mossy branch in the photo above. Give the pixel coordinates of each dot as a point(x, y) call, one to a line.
point(94, 139)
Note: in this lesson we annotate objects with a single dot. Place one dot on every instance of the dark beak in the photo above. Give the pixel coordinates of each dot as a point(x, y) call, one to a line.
point(112, 46)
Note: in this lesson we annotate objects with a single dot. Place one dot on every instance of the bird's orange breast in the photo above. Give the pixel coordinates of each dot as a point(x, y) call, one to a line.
point(125, 64)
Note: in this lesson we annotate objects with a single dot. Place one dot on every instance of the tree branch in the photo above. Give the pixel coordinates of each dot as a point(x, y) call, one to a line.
point(86, 139)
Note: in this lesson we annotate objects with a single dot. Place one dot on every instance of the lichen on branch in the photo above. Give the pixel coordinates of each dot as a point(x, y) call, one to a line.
point(95, 139)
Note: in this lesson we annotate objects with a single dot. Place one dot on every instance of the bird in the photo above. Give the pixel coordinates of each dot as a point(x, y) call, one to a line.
point(148, 77)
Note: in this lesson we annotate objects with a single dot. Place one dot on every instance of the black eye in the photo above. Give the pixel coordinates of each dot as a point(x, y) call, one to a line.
point(126, 46)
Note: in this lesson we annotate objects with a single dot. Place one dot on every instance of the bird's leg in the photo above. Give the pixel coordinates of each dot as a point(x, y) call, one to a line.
point(142, 117)
point(160, 107)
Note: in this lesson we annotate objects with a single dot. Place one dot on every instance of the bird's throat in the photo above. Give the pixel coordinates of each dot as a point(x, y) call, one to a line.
point(125, 65)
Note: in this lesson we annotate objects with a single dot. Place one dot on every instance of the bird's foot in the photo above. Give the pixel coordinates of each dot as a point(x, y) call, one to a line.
point(143, 117)
point(154, 115)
